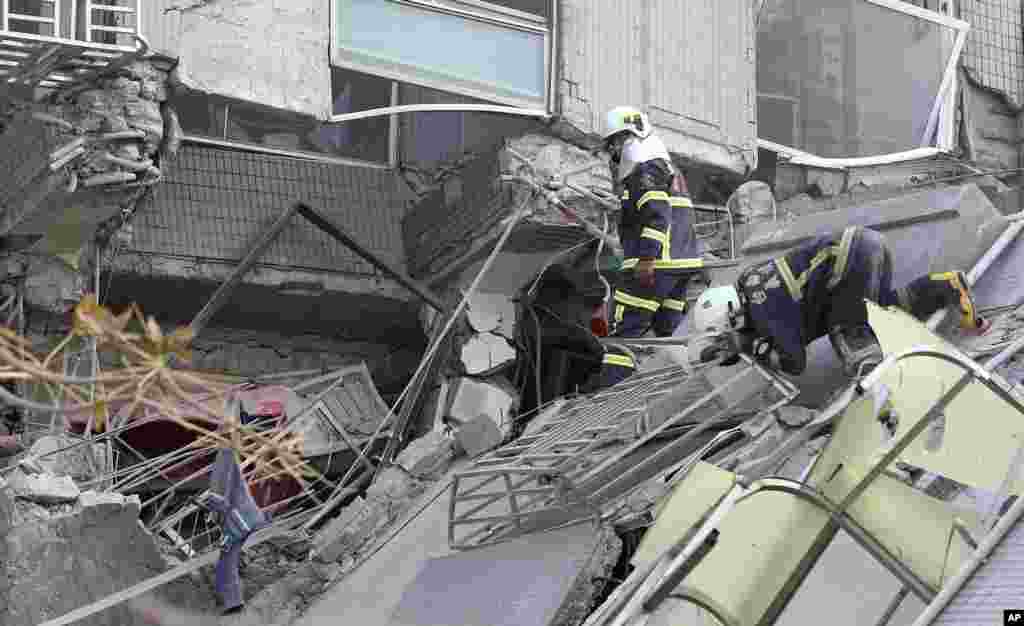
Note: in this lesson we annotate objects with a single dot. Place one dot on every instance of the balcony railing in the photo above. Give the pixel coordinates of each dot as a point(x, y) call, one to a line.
point(47, 43)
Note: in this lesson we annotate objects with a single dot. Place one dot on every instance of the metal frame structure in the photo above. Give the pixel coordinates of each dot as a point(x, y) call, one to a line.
point(839, 518)
point(940, 124)
point(584, 459)
point(62, 59)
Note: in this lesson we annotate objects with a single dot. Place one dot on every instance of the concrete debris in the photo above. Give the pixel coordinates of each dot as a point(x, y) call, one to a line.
point(50, 454)
point(428, 456)
point(486, 353)
point(492, 313)
point(495, 399)
point(360, 522)
point(62, 557)
point(51, 285)
point(752, 201)
point(478, 436)
point(43, 488)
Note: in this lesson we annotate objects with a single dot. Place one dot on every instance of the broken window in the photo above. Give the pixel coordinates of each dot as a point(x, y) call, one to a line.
point(427, 139)
point(855, 78)
point(478, 50)
point(367, 139)
point(240, 122)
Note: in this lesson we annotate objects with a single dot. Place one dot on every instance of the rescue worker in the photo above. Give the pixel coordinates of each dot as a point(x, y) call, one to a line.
point(778, 307)
point(657, 234)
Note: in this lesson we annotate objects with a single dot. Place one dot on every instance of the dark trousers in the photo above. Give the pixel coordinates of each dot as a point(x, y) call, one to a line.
point(637, 309)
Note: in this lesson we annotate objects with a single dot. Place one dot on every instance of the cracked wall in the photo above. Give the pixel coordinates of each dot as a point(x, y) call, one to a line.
point(274, 53)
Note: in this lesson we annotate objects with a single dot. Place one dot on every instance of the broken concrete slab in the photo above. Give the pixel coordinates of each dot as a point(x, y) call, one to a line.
point(495, 398)
point(57, 559)
point(43, 488)
point(428, 456)
point(486, 353)
point(478, 436)
point(752, 201)
point(491, 312)
point(543, 580)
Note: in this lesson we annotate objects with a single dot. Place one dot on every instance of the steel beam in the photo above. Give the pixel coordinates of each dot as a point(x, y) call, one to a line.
point(220, 297)
point(343, 237)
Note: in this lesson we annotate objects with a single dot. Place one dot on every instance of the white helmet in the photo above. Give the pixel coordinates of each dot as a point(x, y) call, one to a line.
point(718, 309)
point(628, 119)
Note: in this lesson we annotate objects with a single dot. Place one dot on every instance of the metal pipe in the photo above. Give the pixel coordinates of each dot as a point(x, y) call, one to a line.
point(894, 606)
point(987, 546)
point(982, 266)
point(440, 108)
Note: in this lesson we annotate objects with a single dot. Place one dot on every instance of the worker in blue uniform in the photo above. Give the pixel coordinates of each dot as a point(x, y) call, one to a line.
point(657, 234)
point(777, 307)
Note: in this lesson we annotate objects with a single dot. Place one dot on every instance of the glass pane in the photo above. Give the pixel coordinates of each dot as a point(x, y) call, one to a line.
point(199, 114)
point(431, 46)
point(365, 139)
point(536, 7)
point(862, 78)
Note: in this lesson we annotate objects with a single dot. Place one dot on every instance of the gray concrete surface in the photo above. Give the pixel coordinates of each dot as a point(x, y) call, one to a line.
point(368, 595)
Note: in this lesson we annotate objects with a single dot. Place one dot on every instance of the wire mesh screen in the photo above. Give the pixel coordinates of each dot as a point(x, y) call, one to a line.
point(994, 54)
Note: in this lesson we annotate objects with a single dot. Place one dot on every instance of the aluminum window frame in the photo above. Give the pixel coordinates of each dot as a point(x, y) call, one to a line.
point(478, 10)
point(941, 124)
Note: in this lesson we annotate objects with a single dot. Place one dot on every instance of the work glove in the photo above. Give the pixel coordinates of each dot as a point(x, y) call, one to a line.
point(645, 273)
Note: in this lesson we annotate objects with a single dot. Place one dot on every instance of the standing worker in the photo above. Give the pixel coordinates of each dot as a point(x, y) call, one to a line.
point(778, 307)
point(657, 234)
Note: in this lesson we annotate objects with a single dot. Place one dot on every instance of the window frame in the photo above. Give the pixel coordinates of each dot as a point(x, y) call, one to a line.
point(478, 10)
point(941, 123)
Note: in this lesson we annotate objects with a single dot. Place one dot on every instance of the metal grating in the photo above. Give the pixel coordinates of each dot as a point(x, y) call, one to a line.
point(994, 54)
point(597, 449)
point(213, 203)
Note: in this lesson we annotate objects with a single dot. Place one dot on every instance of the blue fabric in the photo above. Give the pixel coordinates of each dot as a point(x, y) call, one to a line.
point(655, 214)
point(231, 498)
point(793, 324)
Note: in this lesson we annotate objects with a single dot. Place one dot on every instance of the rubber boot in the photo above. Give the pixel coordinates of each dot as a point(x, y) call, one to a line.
point(857, 348)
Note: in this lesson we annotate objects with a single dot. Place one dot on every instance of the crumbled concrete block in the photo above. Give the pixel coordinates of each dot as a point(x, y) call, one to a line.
point(478, 436)
point(66, 558)
point(492, 312)
point(107, 502)
point(51, 454)
point(44, 488)
point(795, 416)
point(494, 398)
point(485, 353)
point(752, 201)
point(428, 456)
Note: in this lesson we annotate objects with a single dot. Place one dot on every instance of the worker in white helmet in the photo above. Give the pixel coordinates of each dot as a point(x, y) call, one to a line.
point(657, 234)
point(778, 307)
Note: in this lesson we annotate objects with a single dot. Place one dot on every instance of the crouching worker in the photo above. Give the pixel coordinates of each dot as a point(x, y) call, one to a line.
point(229, 497)
point(778, 307)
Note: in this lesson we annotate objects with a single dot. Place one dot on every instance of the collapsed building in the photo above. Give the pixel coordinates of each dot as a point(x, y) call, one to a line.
point(222, 165)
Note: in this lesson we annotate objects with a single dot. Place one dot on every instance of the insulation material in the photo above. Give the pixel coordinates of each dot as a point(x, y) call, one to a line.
point(523, 582)
point(982, 432)
point(997, 585)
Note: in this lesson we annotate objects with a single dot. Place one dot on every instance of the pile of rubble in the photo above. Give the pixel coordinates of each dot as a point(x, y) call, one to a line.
point(111, 132)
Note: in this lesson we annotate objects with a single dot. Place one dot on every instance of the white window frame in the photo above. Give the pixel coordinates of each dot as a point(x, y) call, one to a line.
point(940, 119)
point(470, 9)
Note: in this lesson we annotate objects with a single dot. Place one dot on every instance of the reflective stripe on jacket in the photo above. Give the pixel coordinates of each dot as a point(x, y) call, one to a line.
point(787, 298)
